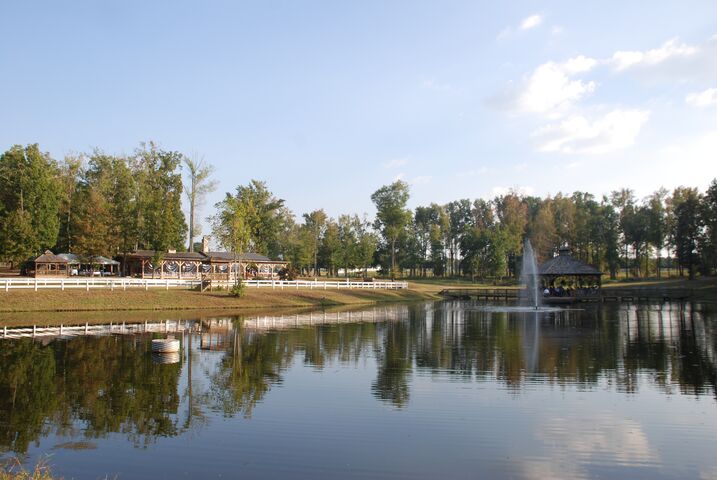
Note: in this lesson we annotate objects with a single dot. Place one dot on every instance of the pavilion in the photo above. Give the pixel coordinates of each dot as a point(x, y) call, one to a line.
point(565, 275)
point(197, 265)
point(48, 265)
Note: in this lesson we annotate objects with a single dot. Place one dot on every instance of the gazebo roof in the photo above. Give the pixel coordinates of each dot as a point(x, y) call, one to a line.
point(49, 257)
point(566, 264)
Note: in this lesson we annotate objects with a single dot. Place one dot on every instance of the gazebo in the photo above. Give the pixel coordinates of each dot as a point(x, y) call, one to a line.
point(49, 265)
point(565, 275)
point(82, 265)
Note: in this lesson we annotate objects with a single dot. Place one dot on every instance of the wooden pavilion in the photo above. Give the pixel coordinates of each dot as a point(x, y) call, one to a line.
point(198, 265)
point(48, 265)
point(567, 276)
point(93, 265)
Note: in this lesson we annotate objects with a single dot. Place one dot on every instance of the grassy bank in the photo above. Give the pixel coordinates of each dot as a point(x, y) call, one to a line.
point(105, 300)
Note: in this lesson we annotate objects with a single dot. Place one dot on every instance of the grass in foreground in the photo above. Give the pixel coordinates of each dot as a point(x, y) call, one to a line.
point(15, 471)
point(103, 300)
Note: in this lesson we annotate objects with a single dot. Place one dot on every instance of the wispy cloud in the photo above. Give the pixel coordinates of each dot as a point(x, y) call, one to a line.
point(531, 22)
point(395, 163)
point(613, 131)
point(550, 86)
point(673, 48)
point(431, 84)
point(421, 180)
point(708, 98)
point(528, 23)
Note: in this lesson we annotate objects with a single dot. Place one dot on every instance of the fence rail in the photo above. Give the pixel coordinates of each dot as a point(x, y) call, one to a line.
point(7, 284)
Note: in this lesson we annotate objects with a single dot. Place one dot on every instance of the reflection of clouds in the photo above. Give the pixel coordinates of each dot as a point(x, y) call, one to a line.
point(710, 474)
point(573, 443)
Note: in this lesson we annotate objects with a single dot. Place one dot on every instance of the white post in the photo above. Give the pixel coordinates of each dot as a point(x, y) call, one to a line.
point(62, 284)
point(166, 284)
point(4, 332)
point(60, 329)
point(36, 284)
point(87, 285)
point(34, 328)
point(87, 328)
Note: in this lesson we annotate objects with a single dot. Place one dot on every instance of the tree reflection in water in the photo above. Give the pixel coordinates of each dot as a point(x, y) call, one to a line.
point(110, 385)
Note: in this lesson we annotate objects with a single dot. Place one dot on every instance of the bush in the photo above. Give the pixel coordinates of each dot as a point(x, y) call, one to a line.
point(237, 289)
point(288, 273)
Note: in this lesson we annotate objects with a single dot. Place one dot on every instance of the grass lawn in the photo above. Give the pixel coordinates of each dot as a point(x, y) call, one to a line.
point(103, 300)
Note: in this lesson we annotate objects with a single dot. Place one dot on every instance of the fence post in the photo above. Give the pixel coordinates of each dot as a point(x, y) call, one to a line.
point(87, 285)
point(166, 284)
point(62, 284)
point(87, 328)
point(60, 329)
point(4, 332)
point(36, 284)
point(34, 328)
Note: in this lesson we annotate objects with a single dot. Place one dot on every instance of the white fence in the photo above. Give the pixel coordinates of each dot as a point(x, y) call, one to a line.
point(7, 284)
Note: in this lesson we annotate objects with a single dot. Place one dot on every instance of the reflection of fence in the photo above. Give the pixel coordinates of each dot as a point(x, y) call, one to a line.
point(7, 284)
point(167, 326)
point(278, 322)
point(213, 331)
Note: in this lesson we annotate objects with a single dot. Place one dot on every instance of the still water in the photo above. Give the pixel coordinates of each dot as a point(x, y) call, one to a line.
point(436, 390)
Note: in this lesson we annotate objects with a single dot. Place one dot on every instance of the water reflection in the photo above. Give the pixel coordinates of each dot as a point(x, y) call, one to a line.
point(113, 385)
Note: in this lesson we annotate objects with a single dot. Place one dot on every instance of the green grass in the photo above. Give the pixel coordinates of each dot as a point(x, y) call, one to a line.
point(134, 300)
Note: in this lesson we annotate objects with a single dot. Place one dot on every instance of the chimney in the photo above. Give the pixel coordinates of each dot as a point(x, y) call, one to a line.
point(205, 244)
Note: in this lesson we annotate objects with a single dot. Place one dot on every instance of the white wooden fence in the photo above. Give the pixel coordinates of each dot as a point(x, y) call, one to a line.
point(7, 284)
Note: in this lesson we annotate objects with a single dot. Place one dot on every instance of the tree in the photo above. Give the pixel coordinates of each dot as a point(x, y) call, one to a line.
point(709, 217)
point(656, 223)
point(392, 217)
point(29, 196)
point(230, 226)
point(159, 188)
point(687, 227)
point(315, 223)
point(197, 187)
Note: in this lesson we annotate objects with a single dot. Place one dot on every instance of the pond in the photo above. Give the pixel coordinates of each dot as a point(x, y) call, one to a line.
point(435, 390)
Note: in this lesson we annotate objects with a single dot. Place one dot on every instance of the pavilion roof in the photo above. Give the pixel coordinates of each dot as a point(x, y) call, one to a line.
point(97, 260)
point(566, 264)
point(206, 256)
point(49, 257)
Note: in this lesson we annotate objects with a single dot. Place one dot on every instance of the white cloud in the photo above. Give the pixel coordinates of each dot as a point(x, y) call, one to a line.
point(708, 98)
point(394, 163)
point(431, 84)
point(421, 180)
point(625, 59)
point(550, 86)
point(579, 135)
point(531, 22)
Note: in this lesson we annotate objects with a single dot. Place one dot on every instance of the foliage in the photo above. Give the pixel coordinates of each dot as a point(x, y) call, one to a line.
point(198, 186)
point(238, 289)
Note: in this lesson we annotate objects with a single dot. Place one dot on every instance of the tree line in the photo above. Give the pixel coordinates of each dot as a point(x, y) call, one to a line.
point(99, 204)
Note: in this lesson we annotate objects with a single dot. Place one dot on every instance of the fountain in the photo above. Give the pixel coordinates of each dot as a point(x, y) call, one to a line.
point(531, 299)
point(529, 277)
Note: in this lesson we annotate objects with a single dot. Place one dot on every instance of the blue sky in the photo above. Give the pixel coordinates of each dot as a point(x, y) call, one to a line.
point(327, 101)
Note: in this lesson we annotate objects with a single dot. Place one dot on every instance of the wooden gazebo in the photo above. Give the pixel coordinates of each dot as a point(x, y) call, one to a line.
point(49, 265)
point(567, 276)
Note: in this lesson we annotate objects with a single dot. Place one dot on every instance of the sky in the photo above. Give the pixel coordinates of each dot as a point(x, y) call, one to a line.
point(327, 101)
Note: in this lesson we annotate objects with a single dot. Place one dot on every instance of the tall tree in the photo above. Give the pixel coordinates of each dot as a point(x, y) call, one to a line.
point(392, 217)
point(315, 224)
point(709, 216)
point(687, 227)
point(161, 225)
point(198, 185)
point(29, 195)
